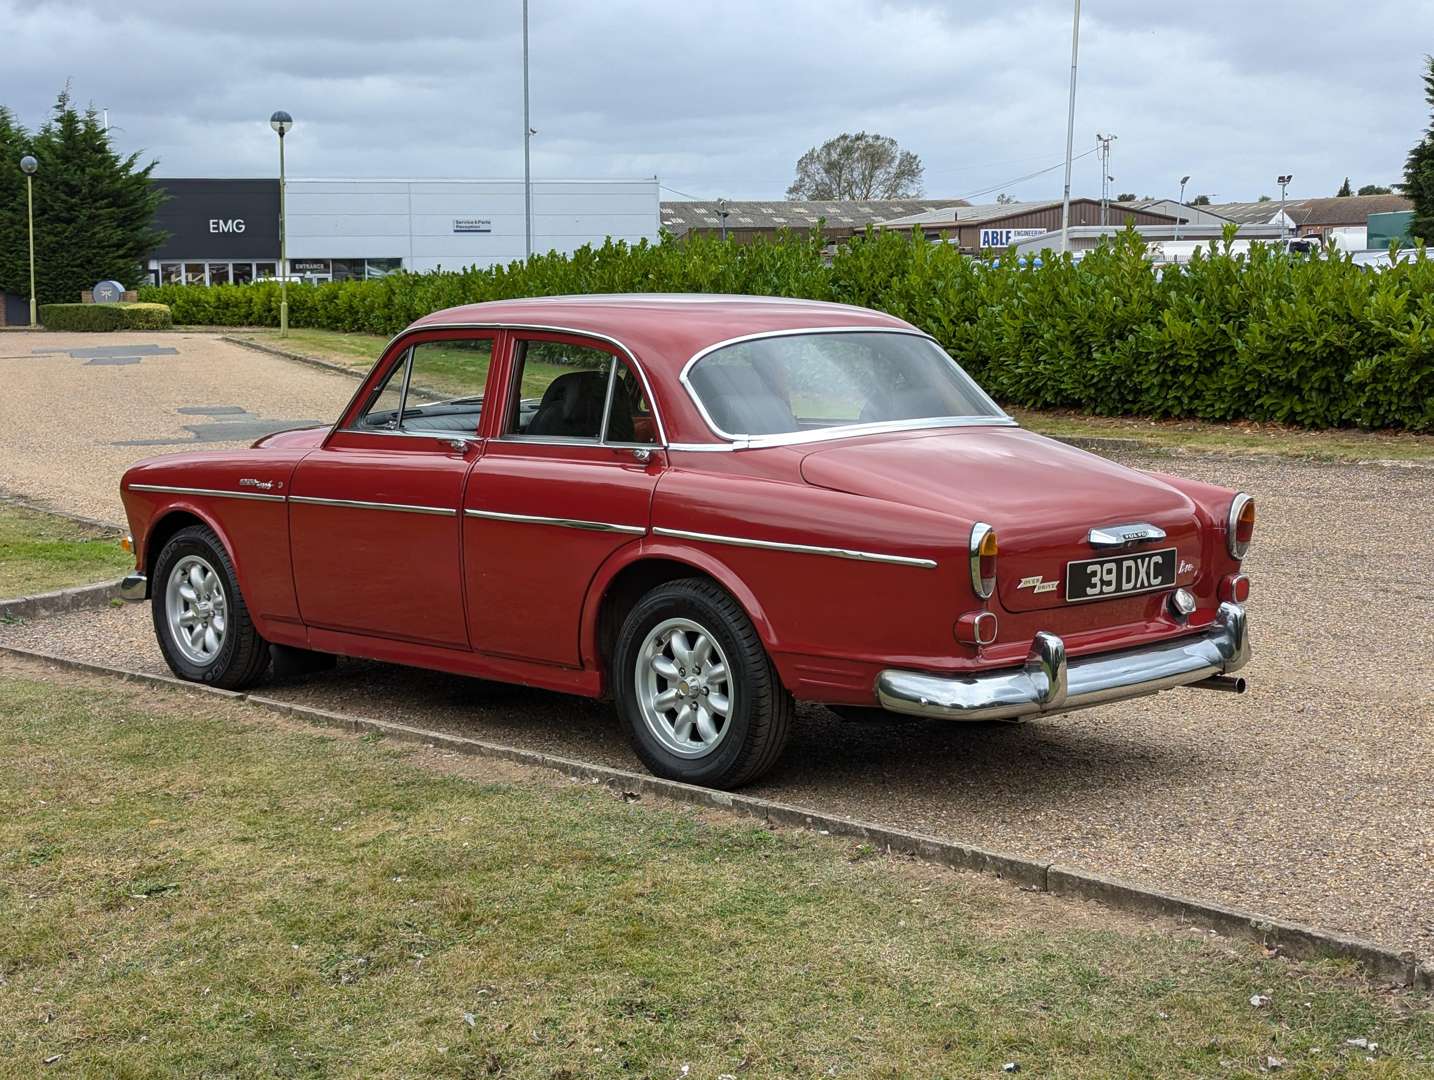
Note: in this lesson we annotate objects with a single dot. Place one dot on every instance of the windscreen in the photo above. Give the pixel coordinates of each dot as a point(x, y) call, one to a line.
point(807, 382)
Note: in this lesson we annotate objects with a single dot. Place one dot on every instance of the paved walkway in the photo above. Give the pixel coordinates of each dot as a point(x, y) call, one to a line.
point(77, 409)
point(1311, 798)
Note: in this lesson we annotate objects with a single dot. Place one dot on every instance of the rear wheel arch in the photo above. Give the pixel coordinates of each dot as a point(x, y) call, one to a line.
point(618, 588)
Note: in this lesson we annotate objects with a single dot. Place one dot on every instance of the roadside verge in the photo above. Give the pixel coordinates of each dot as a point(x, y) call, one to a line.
point(1291, 939)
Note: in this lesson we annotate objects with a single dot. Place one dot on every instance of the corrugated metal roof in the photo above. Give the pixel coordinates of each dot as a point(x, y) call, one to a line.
point(679, 217)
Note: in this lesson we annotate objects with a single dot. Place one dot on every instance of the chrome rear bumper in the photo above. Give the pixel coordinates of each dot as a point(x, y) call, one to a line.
point(1049, 683)
point(134, 587)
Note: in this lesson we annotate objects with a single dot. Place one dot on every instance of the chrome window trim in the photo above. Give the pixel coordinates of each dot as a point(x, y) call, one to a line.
point(513, 326)
point(361, 504)
point(801, 549)
point(176, 490)
point(566, 523)
point(746, 441)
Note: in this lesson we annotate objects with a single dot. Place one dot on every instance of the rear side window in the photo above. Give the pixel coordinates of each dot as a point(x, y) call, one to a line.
point(806, 382)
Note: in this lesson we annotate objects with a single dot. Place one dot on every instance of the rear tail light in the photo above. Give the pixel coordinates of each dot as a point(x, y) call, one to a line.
point(983, 559)
point(1241, 526)
point(1235, 588)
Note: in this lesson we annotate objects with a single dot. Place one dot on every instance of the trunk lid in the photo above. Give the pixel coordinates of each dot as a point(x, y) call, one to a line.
point(1043, 497)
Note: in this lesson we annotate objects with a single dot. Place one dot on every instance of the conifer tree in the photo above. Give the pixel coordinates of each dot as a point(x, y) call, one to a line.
point(94, 210)
point(1419, 170)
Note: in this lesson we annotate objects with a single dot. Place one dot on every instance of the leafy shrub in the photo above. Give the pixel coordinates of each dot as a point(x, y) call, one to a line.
point(1317, 342)
point(141, 316)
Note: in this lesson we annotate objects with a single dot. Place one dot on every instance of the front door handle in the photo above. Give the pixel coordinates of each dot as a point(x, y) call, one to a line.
point(458, 446)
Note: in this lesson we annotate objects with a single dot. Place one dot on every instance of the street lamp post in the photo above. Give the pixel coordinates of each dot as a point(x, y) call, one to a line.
point(527, 148)
point(281, 122)
point(1179, 217)
point(1284, 182)
point(28, 165)
point(1070, 131)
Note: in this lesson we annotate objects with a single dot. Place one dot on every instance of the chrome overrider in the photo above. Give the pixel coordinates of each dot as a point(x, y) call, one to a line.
point(1049, 683)
point(134, 587)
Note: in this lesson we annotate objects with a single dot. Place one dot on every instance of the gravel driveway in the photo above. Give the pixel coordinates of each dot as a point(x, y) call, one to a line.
point(1310, 798)
point(77, 409)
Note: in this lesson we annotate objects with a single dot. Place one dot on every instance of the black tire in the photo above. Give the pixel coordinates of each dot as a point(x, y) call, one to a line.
point(759, 724)
point(242, 656)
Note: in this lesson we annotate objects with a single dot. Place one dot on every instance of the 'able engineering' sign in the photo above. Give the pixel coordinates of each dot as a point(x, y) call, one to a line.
point(999, 238)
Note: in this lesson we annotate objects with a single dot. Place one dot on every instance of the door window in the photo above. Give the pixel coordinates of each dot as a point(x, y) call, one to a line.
point(445, 386)
point(560, 390)
point(630, 417)
point(436, 388)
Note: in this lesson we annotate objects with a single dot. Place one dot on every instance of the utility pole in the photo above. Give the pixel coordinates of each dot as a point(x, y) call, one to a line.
point(722, 218)
point(527, 146)
point(282, 122)
point(1070, 132)
point(1105, 177)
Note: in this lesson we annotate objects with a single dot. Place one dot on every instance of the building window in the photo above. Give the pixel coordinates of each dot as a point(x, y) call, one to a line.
point(194, 274)
point(263, 270)
point(219, 273)
point(242, 273)
point(171, 273)
point(347, 269)
point(377, 268)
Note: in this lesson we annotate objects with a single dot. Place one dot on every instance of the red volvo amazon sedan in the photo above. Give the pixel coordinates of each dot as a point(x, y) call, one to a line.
point(704, 508)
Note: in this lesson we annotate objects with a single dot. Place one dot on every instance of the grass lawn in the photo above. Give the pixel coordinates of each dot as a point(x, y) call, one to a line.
point(190, 887)
point(361, 350)
point(39, 552)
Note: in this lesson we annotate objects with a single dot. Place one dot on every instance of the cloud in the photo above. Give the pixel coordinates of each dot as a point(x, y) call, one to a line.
point(722, 98)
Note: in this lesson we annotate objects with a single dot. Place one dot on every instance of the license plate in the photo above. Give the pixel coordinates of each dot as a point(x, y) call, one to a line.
point(1120, 575)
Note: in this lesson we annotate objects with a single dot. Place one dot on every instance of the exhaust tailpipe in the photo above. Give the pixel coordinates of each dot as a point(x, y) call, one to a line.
point(1233, 684)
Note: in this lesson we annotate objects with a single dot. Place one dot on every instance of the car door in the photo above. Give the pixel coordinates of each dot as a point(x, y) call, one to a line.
point(566, 481)
point(374, 518)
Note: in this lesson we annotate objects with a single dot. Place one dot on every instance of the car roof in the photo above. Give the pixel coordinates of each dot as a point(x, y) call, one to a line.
point(663, 331)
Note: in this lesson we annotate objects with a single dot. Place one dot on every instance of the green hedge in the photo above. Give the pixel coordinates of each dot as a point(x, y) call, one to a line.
point(1317, 342)
point(141, 316)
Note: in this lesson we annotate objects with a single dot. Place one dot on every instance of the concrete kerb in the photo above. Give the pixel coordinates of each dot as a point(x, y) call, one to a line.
point(60, 601)
point(298, 358)
point(1292, 939)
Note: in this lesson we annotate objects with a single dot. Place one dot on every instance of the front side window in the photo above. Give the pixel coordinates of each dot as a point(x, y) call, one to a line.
point(436, 389)
point(797, 383)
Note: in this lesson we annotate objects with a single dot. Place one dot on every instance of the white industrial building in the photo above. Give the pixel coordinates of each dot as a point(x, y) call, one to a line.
point(227, 231)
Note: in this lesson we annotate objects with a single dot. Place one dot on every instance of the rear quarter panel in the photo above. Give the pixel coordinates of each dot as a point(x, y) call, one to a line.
point(830, 624)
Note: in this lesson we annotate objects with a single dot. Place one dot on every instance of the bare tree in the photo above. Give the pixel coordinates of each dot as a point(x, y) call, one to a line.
point(859, 166)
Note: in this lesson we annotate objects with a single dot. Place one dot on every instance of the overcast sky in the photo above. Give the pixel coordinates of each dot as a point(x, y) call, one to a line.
point(722, 98)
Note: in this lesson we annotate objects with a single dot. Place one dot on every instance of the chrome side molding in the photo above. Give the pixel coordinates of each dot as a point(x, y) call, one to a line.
point(1049, 683)
point(218, 492)
point(360, 504)
point(564, 523)
point(801, 549)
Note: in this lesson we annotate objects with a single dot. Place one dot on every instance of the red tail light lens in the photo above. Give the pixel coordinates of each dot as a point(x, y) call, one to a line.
point(983, 560)
point(1235, 588)
point(1240, 529)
